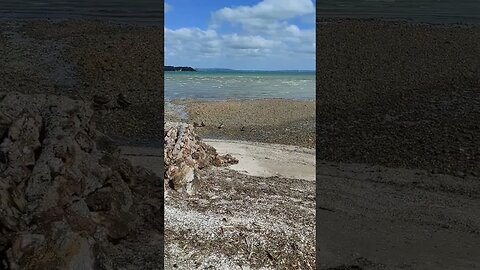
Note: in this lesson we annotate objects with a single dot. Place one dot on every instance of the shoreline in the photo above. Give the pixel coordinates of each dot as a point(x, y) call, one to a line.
point(283, 121)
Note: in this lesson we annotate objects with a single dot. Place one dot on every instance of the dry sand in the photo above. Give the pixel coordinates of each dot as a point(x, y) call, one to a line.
point(266, 160)
point(373, 217)
point(255, 159)
point(148, 157)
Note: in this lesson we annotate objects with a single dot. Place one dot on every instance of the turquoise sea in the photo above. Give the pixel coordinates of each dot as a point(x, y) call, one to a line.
point(223, 85)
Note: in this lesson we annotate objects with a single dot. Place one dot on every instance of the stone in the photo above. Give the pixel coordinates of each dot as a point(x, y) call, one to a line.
point(79, 200)
point(184, 154)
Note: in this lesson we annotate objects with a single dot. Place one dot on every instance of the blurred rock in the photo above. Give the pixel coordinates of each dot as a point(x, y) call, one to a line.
point(64, 204)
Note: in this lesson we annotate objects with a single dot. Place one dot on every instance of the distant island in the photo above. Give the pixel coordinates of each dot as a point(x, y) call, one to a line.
point(172, 68)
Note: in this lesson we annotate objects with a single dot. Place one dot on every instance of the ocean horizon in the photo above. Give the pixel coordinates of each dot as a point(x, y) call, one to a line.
point(198, 69)
point(227, 84)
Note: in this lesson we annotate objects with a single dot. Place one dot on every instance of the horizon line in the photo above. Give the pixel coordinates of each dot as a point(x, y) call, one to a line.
point(245, 69)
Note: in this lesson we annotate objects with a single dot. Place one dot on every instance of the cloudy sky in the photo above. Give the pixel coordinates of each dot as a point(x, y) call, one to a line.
point(240, 34)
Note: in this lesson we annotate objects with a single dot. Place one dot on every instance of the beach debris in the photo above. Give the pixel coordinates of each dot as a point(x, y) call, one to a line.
point(243, 128)
point(122, 101)
point(221, 126)
point(64, 204)
point(202, 124)
point(184, 154)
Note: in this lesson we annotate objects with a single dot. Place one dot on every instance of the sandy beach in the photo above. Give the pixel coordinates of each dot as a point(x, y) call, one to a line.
point(397, 174)
point(257, 214)
point(267, 160)
point(375, 217)
point(150, 158)
point(278, 121)
point(399, 94)
point(87, 59)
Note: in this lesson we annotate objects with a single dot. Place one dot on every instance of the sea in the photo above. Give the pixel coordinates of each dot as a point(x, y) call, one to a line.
point(240, 85)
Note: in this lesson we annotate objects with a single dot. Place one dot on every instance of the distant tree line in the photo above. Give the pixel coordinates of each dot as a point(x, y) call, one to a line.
point(172, 68)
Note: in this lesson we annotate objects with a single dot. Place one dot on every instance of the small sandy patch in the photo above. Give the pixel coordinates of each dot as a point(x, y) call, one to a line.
point(266, 160)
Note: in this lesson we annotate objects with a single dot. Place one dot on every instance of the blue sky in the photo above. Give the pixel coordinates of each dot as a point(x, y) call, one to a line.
point(247, 34)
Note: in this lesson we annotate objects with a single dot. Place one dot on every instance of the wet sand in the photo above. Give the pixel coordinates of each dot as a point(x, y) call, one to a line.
point(278, 121)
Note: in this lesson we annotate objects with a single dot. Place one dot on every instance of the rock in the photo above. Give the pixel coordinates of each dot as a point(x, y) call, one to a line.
point(184, 180)
point(184, 154)
point(64, 203)
point(218, 162)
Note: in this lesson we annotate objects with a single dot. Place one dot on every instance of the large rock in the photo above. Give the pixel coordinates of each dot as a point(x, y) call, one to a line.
point(64, 204)
point(184, 154)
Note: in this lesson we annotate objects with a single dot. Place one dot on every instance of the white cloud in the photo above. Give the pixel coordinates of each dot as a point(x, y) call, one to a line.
point(248, 42)
point(191, 40)
point(209, 43)
point(265, 31)
point(167, 7)
point(264, 14)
